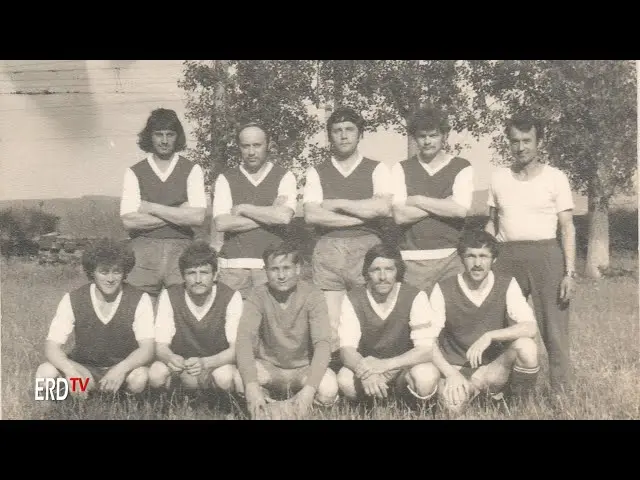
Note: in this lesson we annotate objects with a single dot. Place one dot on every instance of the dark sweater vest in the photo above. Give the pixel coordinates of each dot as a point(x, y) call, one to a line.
point(384, 338)
point(171, 193)
point(465, 322)
point(251, 244)
point(98, 344)
point(199, 338)
point(432, 232)
point(357, 186)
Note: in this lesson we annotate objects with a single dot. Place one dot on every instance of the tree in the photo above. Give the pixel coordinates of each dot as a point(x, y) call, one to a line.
point(224, 94)
point(591, 134)
point(389, 91)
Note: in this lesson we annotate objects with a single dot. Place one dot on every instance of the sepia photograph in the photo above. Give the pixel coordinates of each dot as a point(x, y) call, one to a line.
point(319, 240)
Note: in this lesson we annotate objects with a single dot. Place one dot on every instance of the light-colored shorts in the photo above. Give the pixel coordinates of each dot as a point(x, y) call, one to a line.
point(243, 279)
point(424, 274)
point(337, 261)
point(156, 263)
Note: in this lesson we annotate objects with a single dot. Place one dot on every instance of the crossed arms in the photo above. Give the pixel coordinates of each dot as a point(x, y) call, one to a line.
point(411, 209)
point(340, 213)
point(137, 214)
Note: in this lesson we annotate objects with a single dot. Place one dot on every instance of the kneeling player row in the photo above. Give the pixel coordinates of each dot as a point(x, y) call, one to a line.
point(475, 333)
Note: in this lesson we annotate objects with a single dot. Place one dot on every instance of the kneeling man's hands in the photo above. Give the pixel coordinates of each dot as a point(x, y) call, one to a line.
point(375, 385)
point(113, 379)
point(370, 366)
point(303, 400)
point(474, 354)
point(194, 366)
point(256, 402)
point(457, 389)
point(176, 363)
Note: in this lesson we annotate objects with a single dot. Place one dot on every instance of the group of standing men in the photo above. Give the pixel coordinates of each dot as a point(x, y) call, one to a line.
point(444, 310)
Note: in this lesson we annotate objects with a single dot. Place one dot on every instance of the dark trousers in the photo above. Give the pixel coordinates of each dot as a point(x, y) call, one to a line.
point(539, 268)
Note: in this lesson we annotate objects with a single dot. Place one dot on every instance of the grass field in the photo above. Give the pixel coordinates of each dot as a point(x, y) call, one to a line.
point(605, 343)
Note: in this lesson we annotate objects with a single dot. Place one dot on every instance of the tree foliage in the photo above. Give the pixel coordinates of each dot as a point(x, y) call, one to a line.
point(589, 107)
point(389, 91)
point(590, 111)
point(223, 95)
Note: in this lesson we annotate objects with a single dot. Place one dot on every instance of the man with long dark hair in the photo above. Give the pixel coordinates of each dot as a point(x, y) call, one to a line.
point(163, 199)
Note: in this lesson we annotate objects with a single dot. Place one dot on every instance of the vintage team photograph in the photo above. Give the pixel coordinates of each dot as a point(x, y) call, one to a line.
point(319, 240)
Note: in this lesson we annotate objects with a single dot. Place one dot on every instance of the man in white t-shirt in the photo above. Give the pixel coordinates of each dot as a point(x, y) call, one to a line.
point(527, 203)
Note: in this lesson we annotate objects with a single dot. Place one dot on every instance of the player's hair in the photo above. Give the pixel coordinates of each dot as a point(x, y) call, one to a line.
point(384, 250)
point(253, 123)
point(345, 114)
point(281, 249)
point(477, 238)
point(198, 254)
point(107, 252)
point(162, 119)
point(525, 121)
point(427, 119)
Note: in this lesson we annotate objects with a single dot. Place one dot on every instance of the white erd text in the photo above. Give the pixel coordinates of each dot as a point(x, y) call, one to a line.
point(58, 388)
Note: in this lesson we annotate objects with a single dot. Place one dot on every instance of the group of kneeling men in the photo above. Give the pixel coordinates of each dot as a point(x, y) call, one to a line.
point(474, 334)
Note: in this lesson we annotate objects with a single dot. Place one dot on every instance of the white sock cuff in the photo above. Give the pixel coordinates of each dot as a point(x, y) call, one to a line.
point(326, 404)
point(426, 397)
point(518, 368)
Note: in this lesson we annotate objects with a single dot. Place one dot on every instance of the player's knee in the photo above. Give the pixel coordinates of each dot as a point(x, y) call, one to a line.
point(526, 352)
point(158, 374)
point(137, 380)
point(346, 383)
point(328, 388)
point(423, 379)
point(47, 370)
point(223, 377)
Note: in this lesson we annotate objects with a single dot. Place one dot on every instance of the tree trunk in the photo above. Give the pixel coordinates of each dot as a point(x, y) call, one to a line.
point(598, 243)
point(412, 147)
point(216, 238)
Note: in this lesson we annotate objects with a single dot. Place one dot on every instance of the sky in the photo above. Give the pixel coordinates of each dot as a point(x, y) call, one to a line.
point(73, 144)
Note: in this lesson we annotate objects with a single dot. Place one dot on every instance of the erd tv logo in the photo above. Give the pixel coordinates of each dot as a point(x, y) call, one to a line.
point(58, 388)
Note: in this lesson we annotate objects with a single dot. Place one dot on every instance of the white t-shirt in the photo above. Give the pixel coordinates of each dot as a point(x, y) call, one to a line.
point(528, 209)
